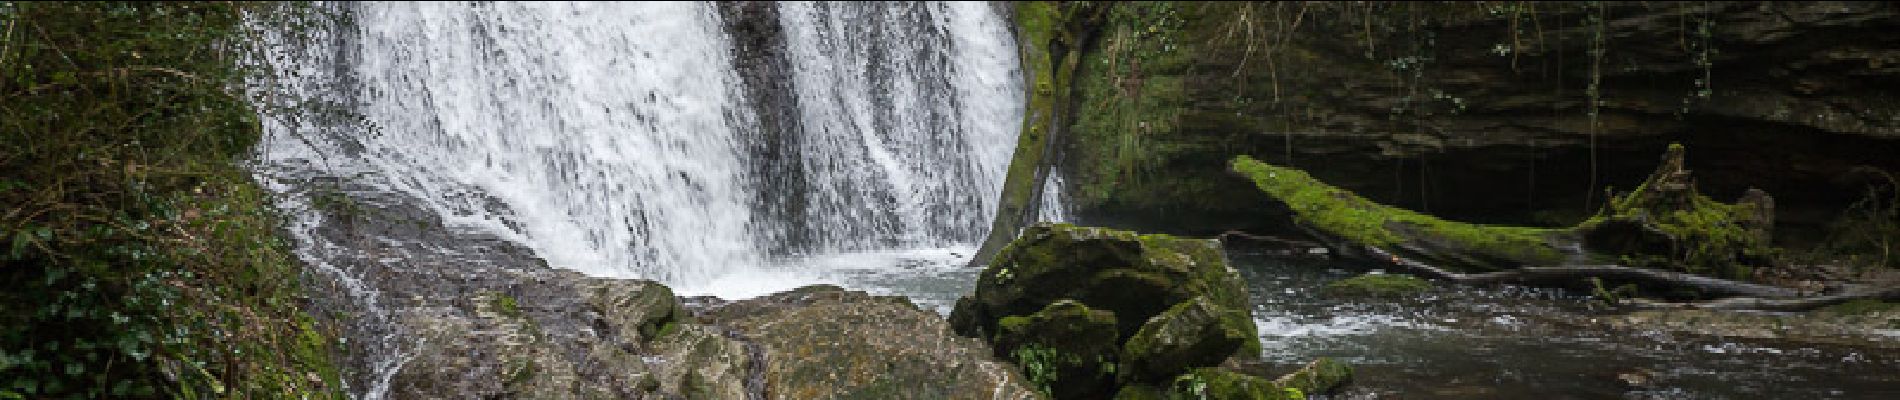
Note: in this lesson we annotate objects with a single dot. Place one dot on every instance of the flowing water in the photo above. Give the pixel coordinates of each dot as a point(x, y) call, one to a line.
point(618, 139)
point(1514, 342)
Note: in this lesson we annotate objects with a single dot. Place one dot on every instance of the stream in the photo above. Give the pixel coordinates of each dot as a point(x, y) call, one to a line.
point(1457, 342)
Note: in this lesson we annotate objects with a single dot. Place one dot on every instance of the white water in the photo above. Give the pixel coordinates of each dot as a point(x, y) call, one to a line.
point(612, 139)
point(617, 139)
point(910, 112)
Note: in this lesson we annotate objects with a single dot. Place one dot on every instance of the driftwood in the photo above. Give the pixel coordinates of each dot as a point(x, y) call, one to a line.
point(1737, 295)
point(1563, 274)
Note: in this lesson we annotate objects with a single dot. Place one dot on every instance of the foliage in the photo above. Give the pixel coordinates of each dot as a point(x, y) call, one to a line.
point(141, 259)
point(1868, 231)
point(1133, 85)
point(1040, 364)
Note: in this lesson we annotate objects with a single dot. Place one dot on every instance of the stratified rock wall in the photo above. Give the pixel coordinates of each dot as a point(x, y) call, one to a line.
point(1479, 112)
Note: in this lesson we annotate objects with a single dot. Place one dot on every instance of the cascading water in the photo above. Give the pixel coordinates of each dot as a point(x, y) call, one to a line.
point(908, 119)
point(614, 138)
point(634, 140)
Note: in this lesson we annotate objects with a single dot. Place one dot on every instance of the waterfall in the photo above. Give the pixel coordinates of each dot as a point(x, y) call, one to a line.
point(619, 140)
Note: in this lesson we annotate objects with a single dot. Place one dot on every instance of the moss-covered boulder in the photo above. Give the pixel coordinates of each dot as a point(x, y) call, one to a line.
point(1067, 302)
point(1320, 376)
point(1194, 333)
point(1074, 346)
point(1215, 383)
point(1376, 285)
point(1135, 276)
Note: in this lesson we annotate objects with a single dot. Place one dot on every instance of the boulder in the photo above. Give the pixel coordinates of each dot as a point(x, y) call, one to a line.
point(826, 342)
point(1073, 346)
point(1134, 276)
point(1073, 305)
point(1194, 333)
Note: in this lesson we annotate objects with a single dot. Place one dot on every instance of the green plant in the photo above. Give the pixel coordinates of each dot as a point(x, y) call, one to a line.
point(1866, 234)
point(142, 261)
point(1191, 384)
point(1039, 364)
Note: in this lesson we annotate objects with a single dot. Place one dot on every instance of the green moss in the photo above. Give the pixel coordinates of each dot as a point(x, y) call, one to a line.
point(1194, 333)
point(1341, 213)
point(1048, 36)
point(1215, 383)
point(506, 305)
point(1377, 285)
point(1132, 86)
point(1709, 237)
point(1320, 376)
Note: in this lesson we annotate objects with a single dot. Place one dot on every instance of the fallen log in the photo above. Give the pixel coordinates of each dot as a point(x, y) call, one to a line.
point(1570, 274)
point(1660, 235)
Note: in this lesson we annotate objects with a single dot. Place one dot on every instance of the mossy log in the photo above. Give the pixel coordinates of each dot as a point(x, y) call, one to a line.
point(1663, 234)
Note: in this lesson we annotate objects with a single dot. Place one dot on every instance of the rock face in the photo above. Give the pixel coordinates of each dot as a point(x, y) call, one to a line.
point(435, 312)
point(1479, 112)
point(823, 342)
point(1074, 306)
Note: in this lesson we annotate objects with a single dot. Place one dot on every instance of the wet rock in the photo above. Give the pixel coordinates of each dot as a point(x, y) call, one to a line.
point(827, 342)
point(1075, 342)
point(1134, 276)
point(1377, 285)
point(1215, 383)
point(1194, 333)
point(436, 312)
point(1319, 377)
point(1080, 302)
point(1865, 324)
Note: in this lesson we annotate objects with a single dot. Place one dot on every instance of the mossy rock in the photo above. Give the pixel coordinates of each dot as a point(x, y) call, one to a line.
point(1215, 383)
point(1377, 285)
point(1320, 376)
point(1134, 276)
point(1195, 333)
point(1078, 345)
point(649, 307)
